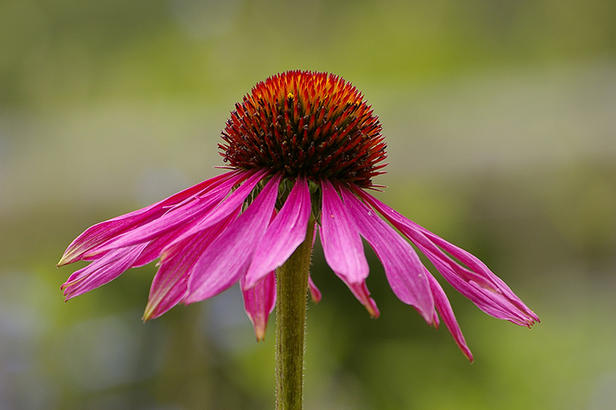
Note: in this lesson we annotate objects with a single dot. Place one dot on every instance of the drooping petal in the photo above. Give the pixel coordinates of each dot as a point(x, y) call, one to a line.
point(361, 292)
point(155, 247)
point(160, 226)
point(182, 214)
point(101, 271)
point(102, 232)
point(315, 293)
point(478, 283)
point(444, 309)
point(233, 202)
point(259, 302)
point(228, 257)
point(403, 268)
point(340, 238)
point(170, 283)
point(484, 272)
point(492, 303)
point(285, 233)
point(161, 244)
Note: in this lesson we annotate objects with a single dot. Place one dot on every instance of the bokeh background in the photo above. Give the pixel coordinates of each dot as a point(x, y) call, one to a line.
point(501, 121)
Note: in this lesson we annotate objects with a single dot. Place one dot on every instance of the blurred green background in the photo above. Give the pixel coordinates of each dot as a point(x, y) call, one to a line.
point(500, 118)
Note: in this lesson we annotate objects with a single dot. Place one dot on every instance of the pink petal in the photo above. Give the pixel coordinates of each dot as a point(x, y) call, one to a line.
point(259, 302)
point(285, 233)
point(403, 268)
point(101, 271)
point(492, 303)
point(182, 214)
point(173, 284)
point(229, 256)
point(155, 247)
point(315, 293)
point(444, 309)
point(478, 283)
point(483, 271)
point(234, 201)
point(340, 238)
point(361, 292)
point(104, 231)
point(171, 281)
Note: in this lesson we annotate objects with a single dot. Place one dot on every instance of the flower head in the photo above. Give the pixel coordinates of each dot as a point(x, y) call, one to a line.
point(303, 124)
point(302, 147)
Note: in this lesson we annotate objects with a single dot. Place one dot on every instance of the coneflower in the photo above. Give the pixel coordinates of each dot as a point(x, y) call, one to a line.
point(302, 148)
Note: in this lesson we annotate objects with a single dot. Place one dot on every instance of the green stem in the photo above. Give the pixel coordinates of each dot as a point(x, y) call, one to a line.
point(291, 288)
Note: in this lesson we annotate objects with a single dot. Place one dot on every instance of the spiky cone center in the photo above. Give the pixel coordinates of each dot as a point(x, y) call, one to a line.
point(309, 124)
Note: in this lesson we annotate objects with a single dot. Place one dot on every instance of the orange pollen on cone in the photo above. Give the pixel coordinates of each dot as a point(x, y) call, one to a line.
point(302, 123)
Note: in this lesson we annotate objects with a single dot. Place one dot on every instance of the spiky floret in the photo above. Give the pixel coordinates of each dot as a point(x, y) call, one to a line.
point(303, 123)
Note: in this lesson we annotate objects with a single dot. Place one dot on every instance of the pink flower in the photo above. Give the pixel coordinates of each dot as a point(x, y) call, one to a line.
point(302, 148)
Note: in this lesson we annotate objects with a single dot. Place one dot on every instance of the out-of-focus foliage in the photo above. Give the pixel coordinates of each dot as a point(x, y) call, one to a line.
point(500, 118)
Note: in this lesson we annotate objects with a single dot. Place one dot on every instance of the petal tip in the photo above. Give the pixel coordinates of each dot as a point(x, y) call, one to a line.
point(531, 323)
point(374, 312)
point(260, 333)
point(66, 259)
point(147, 314)
point(315, 293)
point(316, 297)
point(429, 318)
point(72, 254)
point(250, 281)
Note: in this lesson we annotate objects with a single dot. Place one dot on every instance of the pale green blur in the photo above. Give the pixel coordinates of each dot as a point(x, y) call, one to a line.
point(501, 122)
